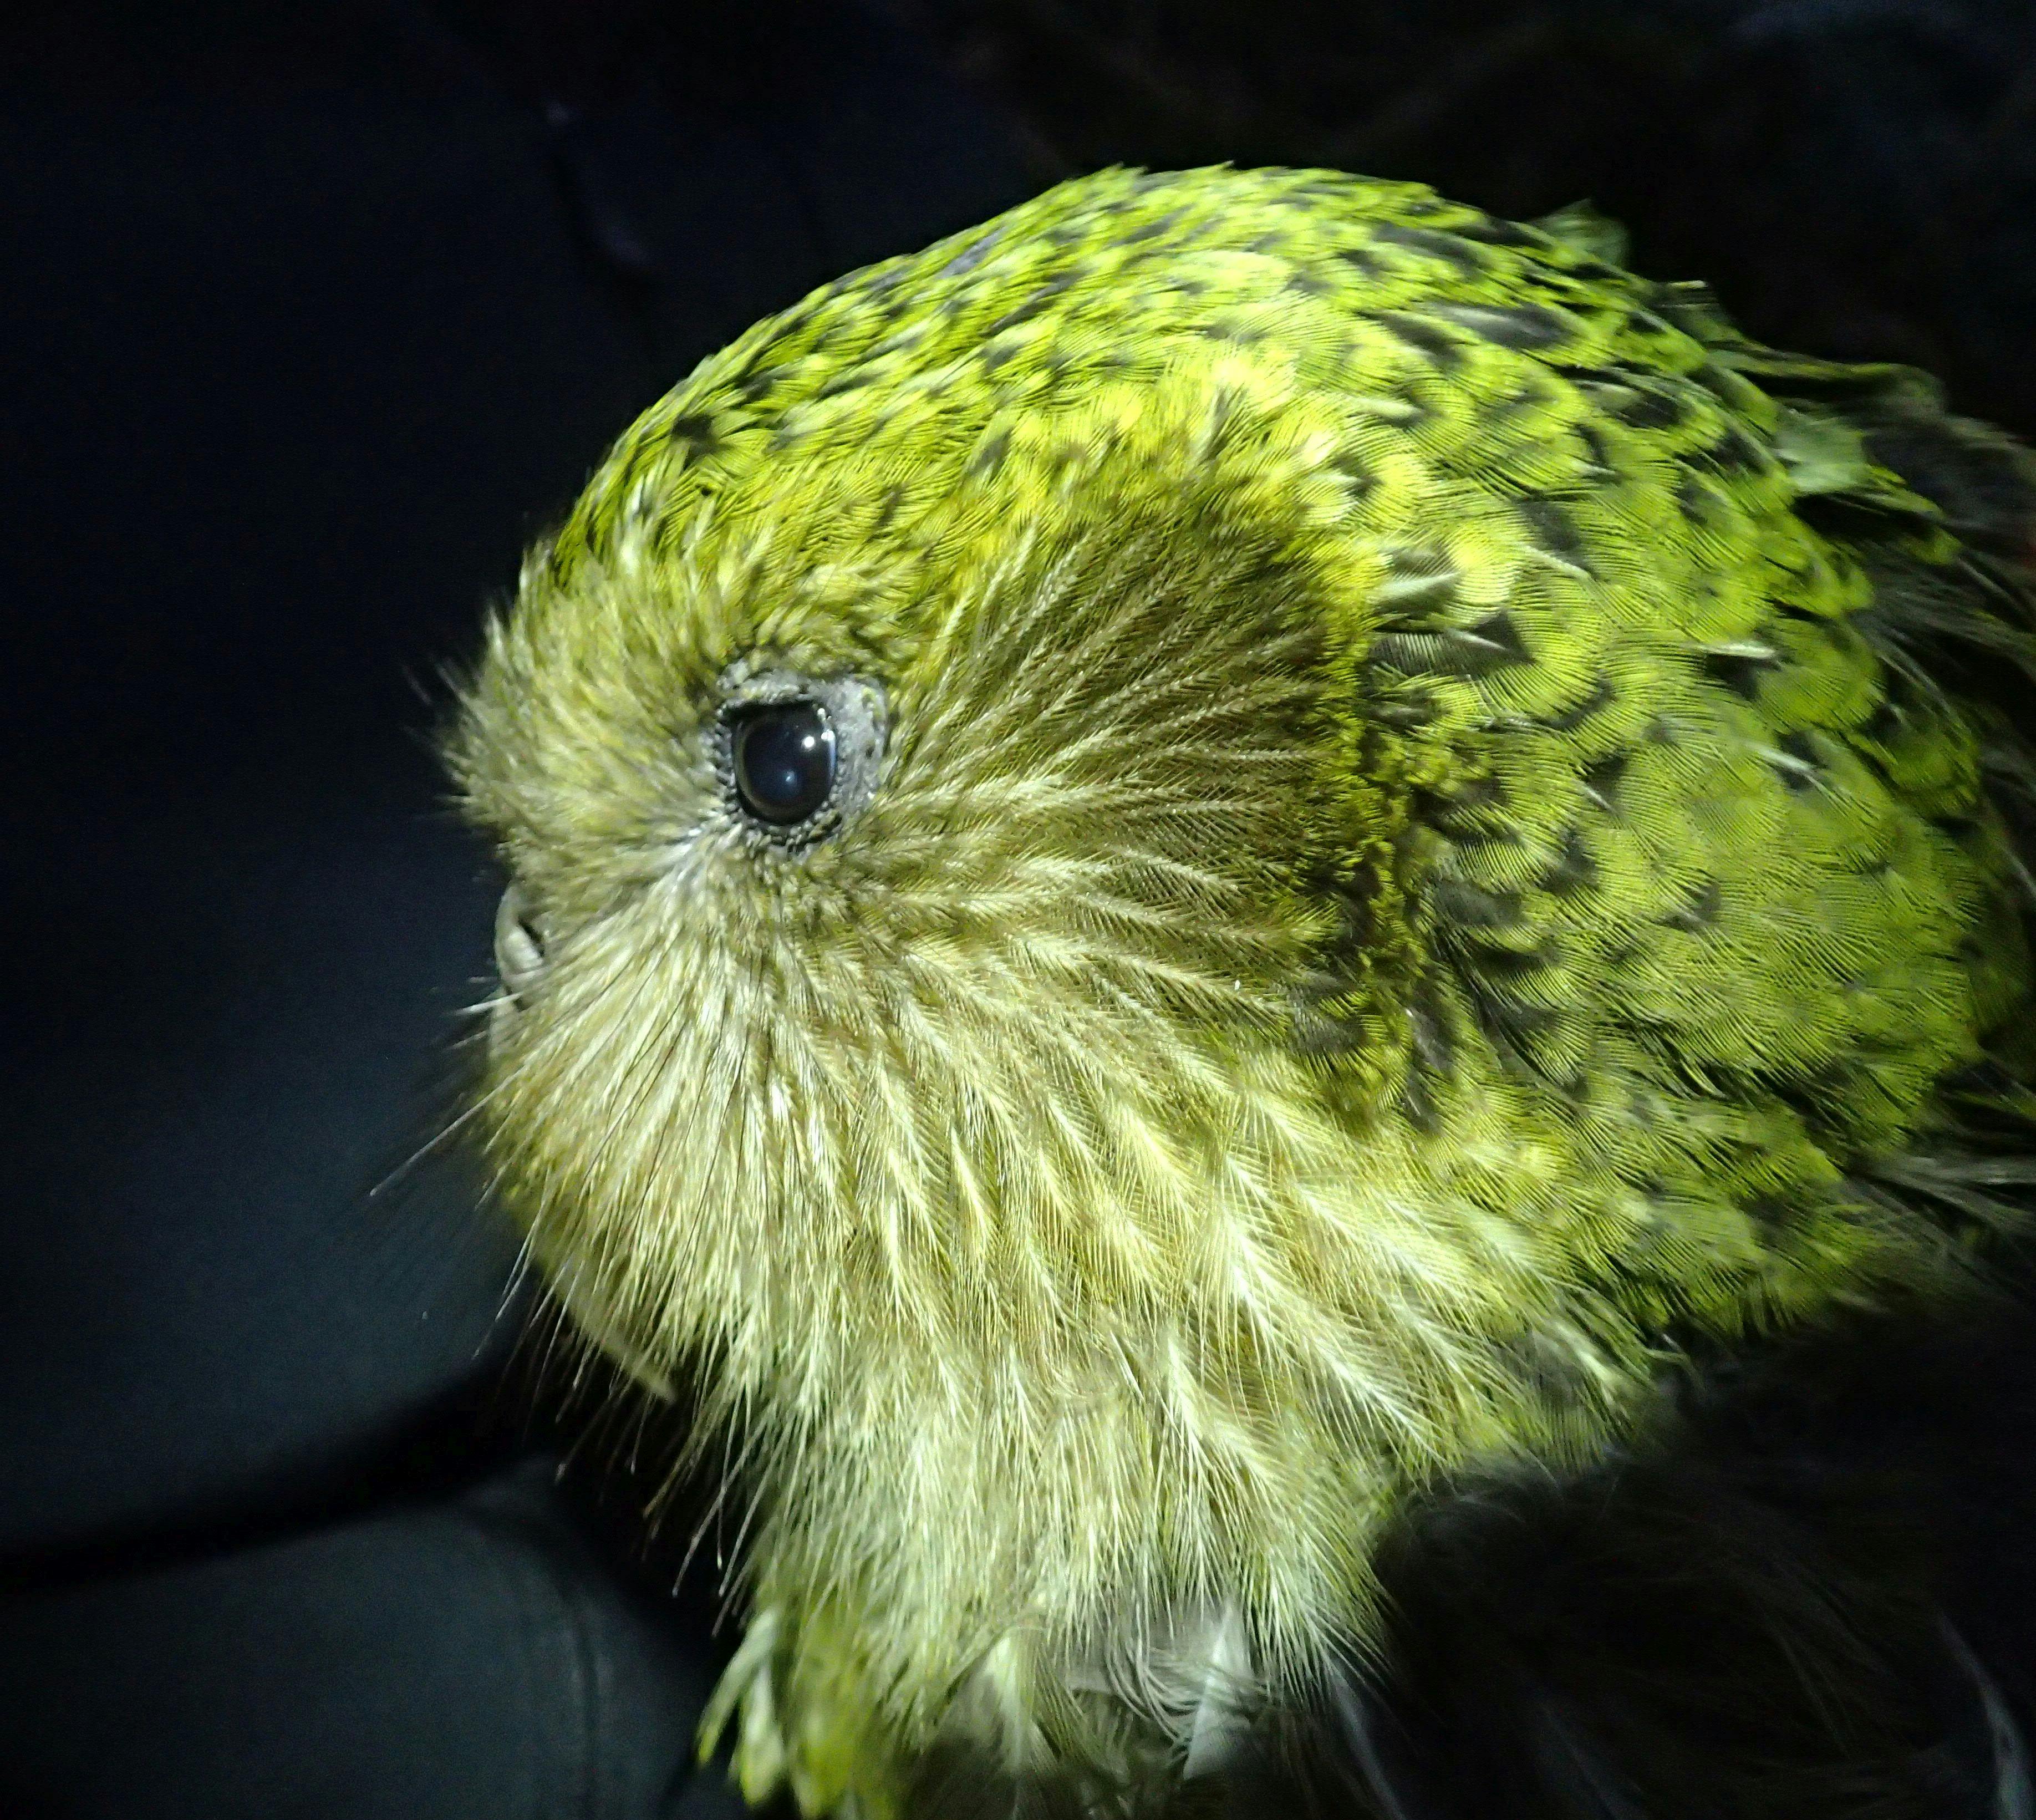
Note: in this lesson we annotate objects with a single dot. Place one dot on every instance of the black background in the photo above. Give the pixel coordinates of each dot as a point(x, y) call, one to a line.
point(310, 316)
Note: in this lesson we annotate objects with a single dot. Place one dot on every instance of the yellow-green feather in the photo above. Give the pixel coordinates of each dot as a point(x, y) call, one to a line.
point(1412, 875)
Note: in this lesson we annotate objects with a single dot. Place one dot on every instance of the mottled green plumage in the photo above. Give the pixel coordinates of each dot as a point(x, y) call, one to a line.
point(1428, 850)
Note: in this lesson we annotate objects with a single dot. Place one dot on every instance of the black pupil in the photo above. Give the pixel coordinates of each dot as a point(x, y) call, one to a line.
point(784, 760)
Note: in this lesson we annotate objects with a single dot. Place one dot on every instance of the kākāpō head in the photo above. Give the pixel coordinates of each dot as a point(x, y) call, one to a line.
point(1192, 860)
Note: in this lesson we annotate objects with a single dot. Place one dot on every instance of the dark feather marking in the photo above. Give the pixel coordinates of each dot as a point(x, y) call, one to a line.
point(989, 458)
point(887, 509)
point(1448, 247)
point(1495, 416)
point(1596, 451)
point(1415, 1103)
point(1040, 300)
point(1459, 812)
point(1403, 709)
point(1428, 1026)
point(1409, 653)
point(1552, 529)
point(1470, 907)
point(1233, 331)
point(1452, 650)
point(1773, 1213)
point(1740, 671)
point(1491, 232)
point(1736, 452)
point(1514, 1028)
point(1649, 407)
point(697, 434)
point(1356, 473)
point(1497, 967)
point(970, 256)
point(1432, 1055)
point(1601, 696)
point(1807, 766)
point(1705, 906)
point(1600, 779)
point(1424, 336)
point(1691, 307)
point(1694, 499)
point(1490, 644)
point(1314, 1032)
point(1575, 871)
point(1528, 328)
point(1152, 230)
point(1419, 572)
point(1497, 633)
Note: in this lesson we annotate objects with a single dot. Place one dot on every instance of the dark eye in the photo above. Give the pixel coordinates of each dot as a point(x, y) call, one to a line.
point(784, 755)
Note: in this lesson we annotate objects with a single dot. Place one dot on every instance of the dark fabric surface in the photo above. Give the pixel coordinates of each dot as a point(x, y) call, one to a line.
point(312, 316)
point(360, 1667)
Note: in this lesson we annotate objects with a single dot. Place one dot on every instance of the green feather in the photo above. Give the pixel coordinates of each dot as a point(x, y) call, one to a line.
point(1444, 827)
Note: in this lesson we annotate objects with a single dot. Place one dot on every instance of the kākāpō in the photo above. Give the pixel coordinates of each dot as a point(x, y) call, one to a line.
point(1252, 912)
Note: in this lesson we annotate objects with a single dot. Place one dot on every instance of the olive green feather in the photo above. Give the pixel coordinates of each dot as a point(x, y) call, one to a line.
point(1436, 825)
